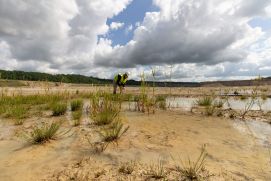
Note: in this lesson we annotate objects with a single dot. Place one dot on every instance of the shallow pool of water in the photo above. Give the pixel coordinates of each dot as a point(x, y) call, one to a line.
point(187, 102)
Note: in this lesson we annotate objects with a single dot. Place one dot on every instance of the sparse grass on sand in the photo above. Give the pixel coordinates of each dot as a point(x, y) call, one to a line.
point(43, 133)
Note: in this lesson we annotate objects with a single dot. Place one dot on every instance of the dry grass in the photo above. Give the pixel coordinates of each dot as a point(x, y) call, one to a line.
point(127, 168)
point(156, 171)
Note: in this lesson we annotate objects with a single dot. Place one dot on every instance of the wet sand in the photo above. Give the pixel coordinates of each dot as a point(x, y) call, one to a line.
point(232, 152)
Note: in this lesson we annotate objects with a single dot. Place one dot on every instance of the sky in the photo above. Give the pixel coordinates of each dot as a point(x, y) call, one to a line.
point(181, 40)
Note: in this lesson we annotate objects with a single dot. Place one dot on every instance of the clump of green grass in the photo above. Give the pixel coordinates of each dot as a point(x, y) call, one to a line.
point(156, 171)
point(17, 112)
point(192, 170)
point(204, 101)
point(161, 102)
point(127, 168)
point(76, 105)
point(59, 109)
point(113, 132)
point(105, 117)
point(104, 111)
point(76, 115)
point(43, 133)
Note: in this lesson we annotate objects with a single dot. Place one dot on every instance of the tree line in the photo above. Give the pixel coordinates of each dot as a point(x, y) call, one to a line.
point(79, 79)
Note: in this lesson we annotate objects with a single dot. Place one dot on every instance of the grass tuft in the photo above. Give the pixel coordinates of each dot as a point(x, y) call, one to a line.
point(43, 133)
point(156, 171)
point(204, 101)
point(59, 109)
point(76, 105)
point(114, 132)
point(127, 168)
point(104, 111)
point(76, 115)
point(192, 170)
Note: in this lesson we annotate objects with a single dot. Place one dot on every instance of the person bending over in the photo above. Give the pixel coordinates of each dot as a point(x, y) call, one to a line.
point(120, 81)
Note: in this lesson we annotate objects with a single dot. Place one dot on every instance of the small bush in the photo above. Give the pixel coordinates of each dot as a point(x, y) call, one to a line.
point(204, 101)
point(76, 105)
point(59, 109)
point(43, 133)
point(114, 132)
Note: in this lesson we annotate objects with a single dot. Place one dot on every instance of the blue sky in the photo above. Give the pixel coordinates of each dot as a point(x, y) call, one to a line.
point(135, 12)
point(264, 23)
point(211, 45)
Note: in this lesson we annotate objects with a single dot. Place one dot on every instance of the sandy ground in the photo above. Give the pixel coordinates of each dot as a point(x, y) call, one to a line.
point(234, 152)
point(164, 135)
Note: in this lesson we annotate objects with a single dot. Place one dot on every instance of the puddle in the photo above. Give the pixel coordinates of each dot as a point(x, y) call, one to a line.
point(187, 102)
